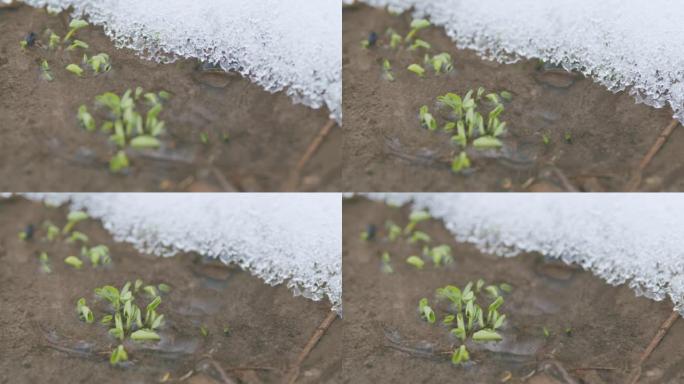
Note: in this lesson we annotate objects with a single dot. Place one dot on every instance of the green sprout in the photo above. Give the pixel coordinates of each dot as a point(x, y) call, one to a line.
point(425, 311)
point(568, 137)
point(145, 142)
point(164, 288)
point(45, 71)
point(486, 335)
point(414, 218)
point(460, 355)
point(84, 312)
point(393, 231)
point(118, 162)
point(418, 43)
point(415, 261)
point(506, 95)
point(418, 236)
point(53, 41)
point(74, 262)
point(395, 40)
point(427, 119)
point(150, 290)
point(126, 318)
point(75, 69)
point(417, 25)
point(387, 70)
point(545, 139)
point(73, 218)
point(440, 255)
point(44, 262)
point(203, 331)
point(226, 330)
point(98, 255)
point(460, 162)
point(75, 25)
point(441, 63)
point(76, 237)
point(486, 142)
point(86, 119)
point(100, 63)
point(77, 44)
point(386, 267)
point(417, 69)
point(204, 138)
point(506, 287)
point(545, 331)
point(118, 355)
point(52, 231)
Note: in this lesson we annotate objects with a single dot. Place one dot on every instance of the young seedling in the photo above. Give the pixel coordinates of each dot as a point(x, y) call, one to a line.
point(419, 236)
point(75, 69)
point(204, 138)
point(417, 25)
point(98, 255)
point(118, 355)
point(387, 70)
point(45, 72)
point(395, 38)
point(425, 311)
point(386, 266)
point(460, 162)
point(74, 262)
point(441, 63)
point(460, 355)
point(44, 262)
point(119, 162)
point(441, 255)
point(84, 312)
point(77, 44)
point(73, 218)
point(393, 230)
point(75, 25)
point(414, 218)
point(203, 331)
point(418, 43)
point(53, 40)
point(86, 119)
point(415, 261)
point(417, 69)
point(545, 139)
point(426, 118)
point(100, 63)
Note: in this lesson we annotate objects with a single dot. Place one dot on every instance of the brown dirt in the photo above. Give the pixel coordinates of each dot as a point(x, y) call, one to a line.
point(269, 326)
point(386, 341)
point(43, 149)
point(385, 149)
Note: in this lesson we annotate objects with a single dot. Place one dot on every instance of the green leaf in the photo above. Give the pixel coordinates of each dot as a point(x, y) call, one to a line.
point(506, 95)
point(78, 44)
point(145, 142)
point(486, 142)
point(75, 69)
point(74, 262)
point(118, 355)
point(460, 162)
point(506, 287)
point(418, 43)
point(86, 119)
point(459, 333)
point(145, 334)
point(415, 261)
point(496, 304)
point(419, 236)
point(119, 162)
point(417, 69)
point(203, 331)
point(460, 355)
point(165, 288)
point(487, 335)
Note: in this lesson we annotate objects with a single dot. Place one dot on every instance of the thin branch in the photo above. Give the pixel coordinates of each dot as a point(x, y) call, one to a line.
point(293, 373)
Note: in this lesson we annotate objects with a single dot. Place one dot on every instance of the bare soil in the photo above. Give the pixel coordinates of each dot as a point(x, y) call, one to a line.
point(42, 147)
point(385, 148)
point(386, 341)
point(42, 339)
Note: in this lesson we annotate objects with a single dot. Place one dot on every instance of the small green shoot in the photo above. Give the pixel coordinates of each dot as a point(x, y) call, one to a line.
point(418, 43)
point(426, 118)
point(460, 355)
point(415, 261)
point(226, 331)
point(77, 44)
point(545, 331)
point(145, 335)
point(426, 311)
point(568, 137)
point(417, 25)
point(442, 63)
point(98, 255)
point(386, 266)
point(118, 355)
point(119, 162)
point(164, 288)
point(45, 72)
point(145, 142)
point(74, 262)
point(73, 218)
point(204, 138)
point(387, 70)
point(545, 139)
point(100, 63)
point(84, 312)
point(486, 335)
point(86, 119)
point(75, 69)
point(417, 69)
point(460, 162)
point(506, 287)
point(44, 262)
point(75, 25)
point(204, 331)
point(487, 142)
